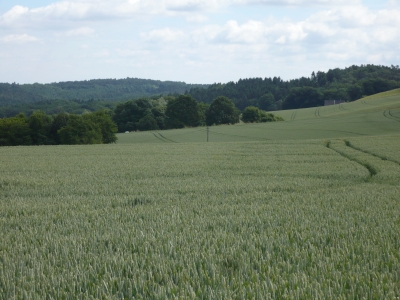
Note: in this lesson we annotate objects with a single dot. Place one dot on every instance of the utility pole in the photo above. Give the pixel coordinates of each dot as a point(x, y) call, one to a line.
point(207, 134)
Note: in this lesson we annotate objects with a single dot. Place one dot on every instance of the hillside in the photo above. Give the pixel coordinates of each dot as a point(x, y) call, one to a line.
point(369, 116)
point(275, 93)
point(97, 89)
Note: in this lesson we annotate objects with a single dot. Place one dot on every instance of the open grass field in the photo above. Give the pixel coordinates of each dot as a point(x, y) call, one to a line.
point(308, 208)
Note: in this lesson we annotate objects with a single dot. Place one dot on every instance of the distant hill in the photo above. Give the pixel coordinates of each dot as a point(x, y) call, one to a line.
point(269, 94)
point(97, 89)
point(347, 84)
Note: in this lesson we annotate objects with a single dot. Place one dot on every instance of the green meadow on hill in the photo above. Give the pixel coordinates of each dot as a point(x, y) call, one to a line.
point(370, 116)
point(308, 208)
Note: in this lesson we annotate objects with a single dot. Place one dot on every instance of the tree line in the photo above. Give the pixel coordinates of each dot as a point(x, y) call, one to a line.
point(183, 111)
point(63, 128)
point(135, 115)
point(268, 94)
point(53, 107)
point(96, 89)
point(272, 94)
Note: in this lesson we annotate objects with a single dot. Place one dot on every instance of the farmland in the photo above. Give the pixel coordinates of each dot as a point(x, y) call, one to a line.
point(370, 116)
point(306, 208)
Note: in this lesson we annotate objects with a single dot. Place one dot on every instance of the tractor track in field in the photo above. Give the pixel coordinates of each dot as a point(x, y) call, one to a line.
point(388, 114)
point(348, 144)
point(157, 137)
point(317, 112)
point(293, 116)
point(341, 107)
point(372, 171)
point(167, 139)
point(365, 102)
point(241, 136)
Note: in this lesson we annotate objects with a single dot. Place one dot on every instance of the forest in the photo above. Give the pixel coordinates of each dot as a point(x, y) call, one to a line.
point(268, 94)
point(271, 94)
point(96, 89)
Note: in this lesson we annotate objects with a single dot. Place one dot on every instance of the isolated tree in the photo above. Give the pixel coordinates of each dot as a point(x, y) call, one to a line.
point(251, 114)
point(222, 111)
point(182, 112)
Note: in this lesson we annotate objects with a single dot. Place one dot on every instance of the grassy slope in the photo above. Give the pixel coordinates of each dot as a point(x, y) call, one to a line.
point(375, 115)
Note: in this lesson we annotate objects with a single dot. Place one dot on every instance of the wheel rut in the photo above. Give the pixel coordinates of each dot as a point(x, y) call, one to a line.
point(349, 144)
point(372, 171)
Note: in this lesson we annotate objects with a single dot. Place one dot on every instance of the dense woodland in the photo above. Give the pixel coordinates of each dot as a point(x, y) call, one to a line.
point(53, 107)
point(274, 93)
point(67, 129)
point(267, 94)
point(97, 89)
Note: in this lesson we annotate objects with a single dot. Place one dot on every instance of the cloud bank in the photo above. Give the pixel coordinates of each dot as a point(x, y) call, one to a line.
point(93, 38)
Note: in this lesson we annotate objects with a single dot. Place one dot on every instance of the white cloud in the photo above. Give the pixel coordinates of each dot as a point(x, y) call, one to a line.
point(330, 35)
point(101, 10)
point(14, 14)
point(252, 32)
point(102, 54)
point(19, 38)
point(196, 18)
point(394, 3)
point(163, 35)
point(82, 31)
point(300, 2)
point(337, 34)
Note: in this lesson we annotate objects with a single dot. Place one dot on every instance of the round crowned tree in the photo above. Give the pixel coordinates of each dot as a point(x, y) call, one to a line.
point(222, 111)
point(182, 112)
point(251, 114)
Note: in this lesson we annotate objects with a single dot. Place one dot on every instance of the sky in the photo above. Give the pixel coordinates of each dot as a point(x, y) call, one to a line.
point(195, 41)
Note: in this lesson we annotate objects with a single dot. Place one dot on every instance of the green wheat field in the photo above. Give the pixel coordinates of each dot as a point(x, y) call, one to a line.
point(308, 208)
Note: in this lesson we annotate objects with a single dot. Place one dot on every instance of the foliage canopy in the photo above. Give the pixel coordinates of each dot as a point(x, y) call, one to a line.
point(222, 111)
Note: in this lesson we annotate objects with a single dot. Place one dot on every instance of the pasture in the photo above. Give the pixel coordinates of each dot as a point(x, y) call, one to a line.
point(302, 209)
